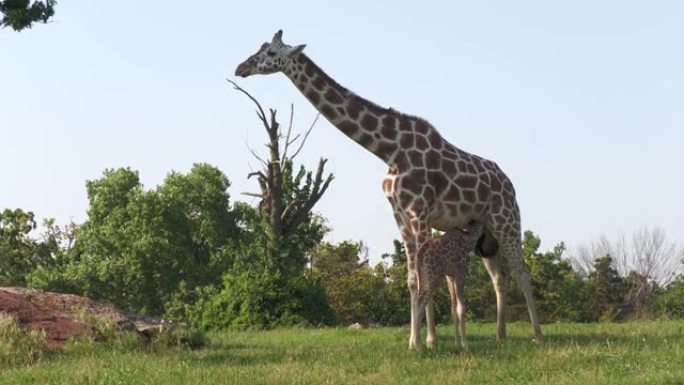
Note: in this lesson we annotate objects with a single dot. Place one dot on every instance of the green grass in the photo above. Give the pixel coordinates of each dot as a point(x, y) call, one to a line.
point(630, 353)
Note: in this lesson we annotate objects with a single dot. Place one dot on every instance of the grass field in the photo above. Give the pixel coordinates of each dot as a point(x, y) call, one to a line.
point(630, 353)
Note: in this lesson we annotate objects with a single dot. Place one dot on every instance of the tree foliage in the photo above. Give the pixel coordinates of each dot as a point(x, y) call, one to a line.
point(670, 302)
point(18, 251)
point(557, 287)
point(21, 14)
point(605, 291)
point(138, 247)
point(183, 250)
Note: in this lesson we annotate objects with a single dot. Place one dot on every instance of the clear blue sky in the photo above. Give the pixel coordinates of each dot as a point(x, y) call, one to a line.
point(581, 103)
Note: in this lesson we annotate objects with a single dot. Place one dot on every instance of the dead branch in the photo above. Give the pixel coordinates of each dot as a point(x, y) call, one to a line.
point(251, 194)
point(305, 136)
point(263, 162)
point(256, 173)
point(289, 131)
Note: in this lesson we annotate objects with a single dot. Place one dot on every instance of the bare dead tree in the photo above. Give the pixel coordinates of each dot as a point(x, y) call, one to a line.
point(585, 255)
point(283, 214)
point(647, 260)
point(652, 262)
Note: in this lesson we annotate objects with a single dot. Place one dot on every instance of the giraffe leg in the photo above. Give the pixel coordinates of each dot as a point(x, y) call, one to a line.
point(416, 319)
point(498, 274)
point(431, 340)
point(460, 311)
point(416, 311)
point(418, 235)
point(421, 301)
point(513, 253)
point(454, 303)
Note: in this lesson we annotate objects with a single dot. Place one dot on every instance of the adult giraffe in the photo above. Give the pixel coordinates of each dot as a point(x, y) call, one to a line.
point(430, 182)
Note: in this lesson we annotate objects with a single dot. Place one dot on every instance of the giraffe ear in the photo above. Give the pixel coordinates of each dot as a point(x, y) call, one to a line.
point(278, 37)
point(294, 51)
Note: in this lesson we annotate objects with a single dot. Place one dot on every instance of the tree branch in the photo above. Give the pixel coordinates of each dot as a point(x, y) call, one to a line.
point(256, 173)
point(251, 194)
point(260, 111)
point(306, 136)
point(289, 131)
point(263, 162)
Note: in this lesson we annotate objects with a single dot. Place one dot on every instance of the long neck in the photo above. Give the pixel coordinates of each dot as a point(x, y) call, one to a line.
point(375, 128)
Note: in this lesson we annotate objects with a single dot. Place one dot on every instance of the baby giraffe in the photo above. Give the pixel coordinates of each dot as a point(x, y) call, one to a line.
point(447, 256)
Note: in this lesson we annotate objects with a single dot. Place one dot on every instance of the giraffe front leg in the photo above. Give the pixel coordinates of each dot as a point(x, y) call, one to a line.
point(415, 234)
point(421, 235)
point(416, 314)
point(411, 278)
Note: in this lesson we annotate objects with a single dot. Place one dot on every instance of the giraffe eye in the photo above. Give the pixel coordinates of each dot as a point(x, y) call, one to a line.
point(270, 53)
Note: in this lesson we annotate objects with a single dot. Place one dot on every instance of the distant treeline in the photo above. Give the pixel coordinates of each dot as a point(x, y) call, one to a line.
point(183, 251)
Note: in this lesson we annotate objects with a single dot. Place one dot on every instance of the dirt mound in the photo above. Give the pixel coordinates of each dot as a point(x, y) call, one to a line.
point(64, 316)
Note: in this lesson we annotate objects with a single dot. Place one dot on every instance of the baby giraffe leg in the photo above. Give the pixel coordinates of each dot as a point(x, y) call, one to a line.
point(454, 303)
point(460, 311)
point(431, 340)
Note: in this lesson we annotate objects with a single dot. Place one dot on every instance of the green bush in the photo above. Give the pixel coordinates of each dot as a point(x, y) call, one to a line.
point(670, 303)
point(265, 299)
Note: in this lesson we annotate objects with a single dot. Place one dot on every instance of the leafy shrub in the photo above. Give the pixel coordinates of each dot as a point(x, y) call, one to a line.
point(265, 299)
point(670, 303)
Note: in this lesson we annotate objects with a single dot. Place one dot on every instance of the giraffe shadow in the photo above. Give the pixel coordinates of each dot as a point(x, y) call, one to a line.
point(238, 355)
point(487, 346)
point(479, 345)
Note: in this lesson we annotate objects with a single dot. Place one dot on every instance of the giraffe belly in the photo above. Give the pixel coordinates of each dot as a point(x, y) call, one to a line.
point(443, 220)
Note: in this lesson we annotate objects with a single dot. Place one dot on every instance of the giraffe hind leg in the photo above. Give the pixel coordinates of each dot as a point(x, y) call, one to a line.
point(498, 273)
point(512, 252)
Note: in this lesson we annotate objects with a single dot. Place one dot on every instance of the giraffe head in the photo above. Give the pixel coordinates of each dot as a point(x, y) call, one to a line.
point(472, 234)
point(270, 58)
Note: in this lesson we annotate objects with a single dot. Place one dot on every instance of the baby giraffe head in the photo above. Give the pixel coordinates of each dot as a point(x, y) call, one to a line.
point(472, 235)
point(270, 58)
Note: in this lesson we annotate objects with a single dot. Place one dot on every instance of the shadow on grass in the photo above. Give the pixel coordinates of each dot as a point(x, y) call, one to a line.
point(480, 346)
point(225, 356)
point(485, 346)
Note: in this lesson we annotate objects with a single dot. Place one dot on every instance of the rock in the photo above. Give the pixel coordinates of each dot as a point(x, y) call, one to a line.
point(58, 327)
point(65, 316)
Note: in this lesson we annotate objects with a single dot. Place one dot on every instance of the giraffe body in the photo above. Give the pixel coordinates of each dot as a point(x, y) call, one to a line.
point(446, 255)
point(430, 182)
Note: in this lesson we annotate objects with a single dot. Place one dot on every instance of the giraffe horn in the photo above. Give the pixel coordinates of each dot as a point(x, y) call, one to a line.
point(278, 37)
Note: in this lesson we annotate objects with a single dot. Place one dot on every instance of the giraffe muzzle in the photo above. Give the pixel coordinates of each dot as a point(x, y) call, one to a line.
point(243, 70)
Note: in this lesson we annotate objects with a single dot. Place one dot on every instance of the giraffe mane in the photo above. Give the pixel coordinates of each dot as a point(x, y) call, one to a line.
point(371, 105)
